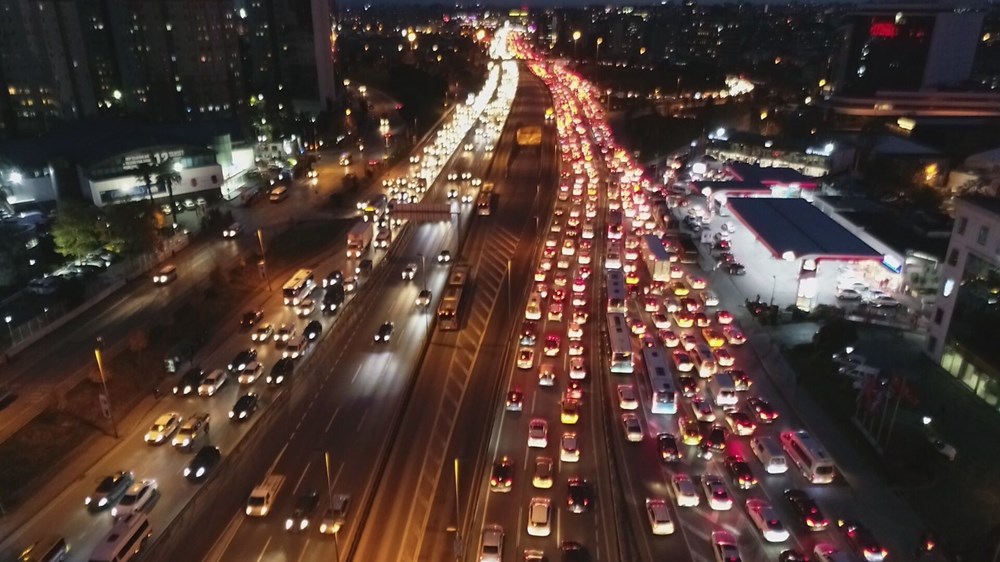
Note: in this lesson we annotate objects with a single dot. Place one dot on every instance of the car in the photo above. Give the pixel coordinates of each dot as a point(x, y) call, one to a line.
point(576, 349)
point(525, 358)
point(863, 541)
point(213, 382)
point(792, 555)
point(723, 357)
point(539, 517)
point(109, 490)
point(555, 313)
point(163, 428)
point(552, 344)
point(283, 334)
point(542, 477)
point(296, 347)
point(716, 492)
point(491, 549)
point(680, 289)
point(444, 257)
point(724, 547)
point(241, 360)
point(740, 472)
point(580, 316)
point(572, 551)
point(350, 283)
point(724, 317)
point(302, 512)
point(250, 319)
point(577, 368)
point(713, 337)
point(763, 516)
point(943, 448)
point(139, 497)
point(190, 381)
point(538, 433)
point(574, 390)
point(502, 477)
point(244, 407)
point(762, 409)
point(281, 371)
point(202, 463)
point(682, 361)
point(263, 333)
point(570, 412)
point(702, 409)
point(733, 335)
point(739, 422)
point(313, 330)
point(632, 427)
point(335, 277)
point(668, 338)
point(384, 333)
point(569, 447)
point(409, 272)
point(685, 494)
point(627, 399)
point(250, 373)
point(666, 444)
point(193, 428)
point(232, 231)
point(690, 431)
point(702, 320)
point(696, 283)
point(806, 509)
point(336, 515)
point(688, 341)
point(716, 438)
point(684, 319)
point(579, 495)
point(637, 326)
point(735, 268)
point(574, 331)
point(423, 299)
point(515, 400)
point(688, 385)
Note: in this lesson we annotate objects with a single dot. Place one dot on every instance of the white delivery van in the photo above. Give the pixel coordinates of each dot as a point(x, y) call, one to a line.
point(770, 453)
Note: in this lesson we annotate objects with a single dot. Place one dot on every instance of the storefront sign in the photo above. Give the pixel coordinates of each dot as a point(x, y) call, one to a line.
point(892, 263)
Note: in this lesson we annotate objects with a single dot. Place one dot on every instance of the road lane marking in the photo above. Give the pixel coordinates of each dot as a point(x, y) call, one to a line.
point(301, 478)
point(276, 459)
point(263, 550)
point(362, 422)
point(355, 377)
point(330, 423)
point(305, 548)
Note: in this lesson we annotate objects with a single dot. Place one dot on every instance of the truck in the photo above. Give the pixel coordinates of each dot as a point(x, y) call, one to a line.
point(484, 204)
point(262, 497)
point(451, 299)
point(657, 258)
point(358, 239)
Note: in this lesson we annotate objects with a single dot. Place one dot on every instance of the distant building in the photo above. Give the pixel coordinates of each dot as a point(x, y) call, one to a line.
point(967, 310)
point(816, 158)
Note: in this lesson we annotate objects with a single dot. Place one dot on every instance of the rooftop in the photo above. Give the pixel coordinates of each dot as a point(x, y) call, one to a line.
point(750, 173)
point(795, 225)
point(989, 204)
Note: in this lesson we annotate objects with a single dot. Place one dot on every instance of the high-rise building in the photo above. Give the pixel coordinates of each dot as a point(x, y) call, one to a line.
point(906, 48)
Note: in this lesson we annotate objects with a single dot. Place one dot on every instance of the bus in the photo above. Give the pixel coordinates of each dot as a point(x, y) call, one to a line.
point(125, 541)
point(812, 460)
point(617, 293)
point(615, 228)
point(620, 341)
point(451, 299)
point(484, 203)
point(298, 287)
point(663, 399)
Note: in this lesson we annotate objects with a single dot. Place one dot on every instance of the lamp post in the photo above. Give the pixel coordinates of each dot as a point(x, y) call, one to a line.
point(774, 282)
point(106, 397)
point(576, 40)
point(8, 319)
point(597, 56)
point(263, 260)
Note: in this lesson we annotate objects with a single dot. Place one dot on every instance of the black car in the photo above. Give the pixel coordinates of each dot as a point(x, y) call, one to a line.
point(251, 318)
point(736, 269)
point(332, 299)
point(190, 381)
point(502, 477)
point(245, 406)
point(579, 495)
point(806, 510)
point(313, 330)
point(863, 541)
point(667, 445)
point(689, 386)
point(364, 268)
point(335, 277)
point(242, 359)
point(109, 491)
point(202, 463)
point(573, 551)
point(740, 472)
point(716, 437)
point(281, 371)
point(384, 333)
point(302, 512)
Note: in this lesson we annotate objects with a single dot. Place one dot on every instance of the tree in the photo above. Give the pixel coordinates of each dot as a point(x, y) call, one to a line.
point(75, 230)
point(166, 176)
point(129, 228)
point(834, 336)
point(145, 173)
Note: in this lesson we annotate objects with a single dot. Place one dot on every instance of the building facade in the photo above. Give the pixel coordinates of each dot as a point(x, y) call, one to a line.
point(967, 309)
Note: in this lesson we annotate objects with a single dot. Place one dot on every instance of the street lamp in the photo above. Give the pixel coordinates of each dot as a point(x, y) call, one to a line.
point(774, 282)
point(106, 400)
point(8, 319)
point(263, 259)
point(576, 39)
point(597, 57)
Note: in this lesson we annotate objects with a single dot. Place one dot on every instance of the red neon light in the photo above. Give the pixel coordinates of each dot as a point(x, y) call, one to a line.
point(883, 29)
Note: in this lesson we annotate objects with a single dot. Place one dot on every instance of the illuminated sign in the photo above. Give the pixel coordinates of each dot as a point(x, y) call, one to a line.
point(892, 263)
point(885, 30)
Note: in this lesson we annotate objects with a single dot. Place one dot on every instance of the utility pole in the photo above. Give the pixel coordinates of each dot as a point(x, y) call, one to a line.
point(105, 397)
point(263, 260)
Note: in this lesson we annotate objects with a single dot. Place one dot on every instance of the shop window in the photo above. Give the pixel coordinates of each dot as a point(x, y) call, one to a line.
point(984, 233)
point(194, 182)
point(953, 257)
point(938, 315)
point(215, 179)
point(963, 222)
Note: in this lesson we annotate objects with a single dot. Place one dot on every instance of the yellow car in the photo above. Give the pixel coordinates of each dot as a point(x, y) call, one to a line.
point(690, 431)
point(680, 289)
point(713, 337)
point(683, 320)
point(570, 412)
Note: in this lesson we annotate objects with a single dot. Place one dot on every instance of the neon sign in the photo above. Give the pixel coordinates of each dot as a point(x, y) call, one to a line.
point(885, 30)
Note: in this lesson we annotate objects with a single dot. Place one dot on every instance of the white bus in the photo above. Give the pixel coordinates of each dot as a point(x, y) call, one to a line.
point(298, 287)
point(813, 461)
point(617, 293)
point(661, 381)
point(126, 539)
point(620, 341)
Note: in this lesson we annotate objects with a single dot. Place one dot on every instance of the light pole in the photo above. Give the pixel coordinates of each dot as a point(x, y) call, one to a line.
point(597, 57)
point(8, 319)
point(576, 40)
point(509, 312)
point(458, 519)
point(263, 260)
point(774, 283)
point(104, 385)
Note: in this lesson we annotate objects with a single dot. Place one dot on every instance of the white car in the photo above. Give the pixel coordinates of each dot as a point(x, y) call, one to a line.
point(251, 373)
point(569, 448)
point(409, 272)
point(659, 516)
point(632, 427)
point(525, 358)
point(546, 375)
point(138, 498)
point(213, 382)
point(540, 517)
point(538, 433)
point(724, 547)
point(715, 491)
point(542, 478)
point(684, 490)
point(576, 349)
point(163, 428)
point(574, 331)
point(577, 368)
point(661, 321)
point(763, 516)
point(626, 397)
point(492, 547)
point(305, 308)
point(423, 299)
point(710, 298)
point(702, 409)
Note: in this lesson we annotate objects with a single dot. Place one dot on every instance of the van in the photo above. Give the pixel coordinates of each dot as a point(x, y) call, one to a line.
point(812, 460)
point(770, 454)
point(278, 194)
point(125, 541)
point(704, 361)
point(534, 309)
point(50, 550)
point(166, 274)
point(723, 390)
point(262, 497)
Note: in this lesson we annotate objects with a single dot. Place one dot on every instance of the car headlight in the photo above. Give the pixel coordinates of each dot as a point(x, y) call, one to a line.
point(288, 524)
point(230, 366)
point(322, 527)
point(279, 380)
point(103, 502)
point(187, 389)
point(187, 471)
point(200, 472)
point(87, 500)
point(114, 511)
point(243, 414)
point(183, 442)
point(232, 414)
point(303, 524)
